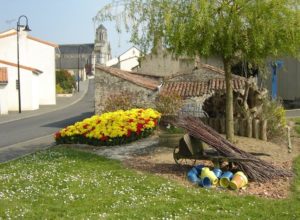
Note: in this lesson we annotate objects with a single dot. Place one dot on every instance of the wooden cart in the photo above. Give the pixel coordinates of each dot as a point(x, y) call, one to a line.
point(190, 149)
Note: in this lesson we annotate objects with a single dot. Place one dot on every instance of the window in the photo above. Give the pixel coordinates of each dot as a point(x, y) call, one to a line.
point(3, 75)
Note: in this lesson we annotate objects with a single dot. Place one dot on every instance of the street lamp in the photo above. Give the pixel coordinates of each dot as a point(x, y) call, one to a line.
point(79, 49)
point(26, 28)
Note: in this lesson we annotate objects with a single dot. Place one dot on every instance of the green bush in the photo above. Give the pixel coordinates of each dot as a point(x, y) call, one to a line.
point(274, 112)
point(59, 90)
point(65, 80)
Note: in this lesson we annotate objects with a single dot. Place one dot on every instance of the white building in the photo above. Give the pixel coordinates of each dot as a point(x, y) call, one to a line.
point(37, 72)
point(127, 60)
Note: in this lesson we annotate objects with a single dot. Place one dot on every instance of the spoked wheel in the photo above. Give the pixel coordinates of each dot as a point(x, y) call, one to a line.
point(181, 160)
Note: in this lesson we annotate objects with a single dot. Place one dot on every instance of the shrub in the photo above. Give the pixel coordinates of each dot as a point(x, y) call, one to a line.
point(65, 80)
point(112, 128)
point(168, 103)
point(274, 112)
point(124, 100)
point(59, 90)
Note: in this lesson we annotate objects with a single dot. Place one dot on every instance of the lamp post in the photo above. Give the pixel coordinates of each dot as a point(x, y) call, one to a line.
point(26, 28)
point(78, 62)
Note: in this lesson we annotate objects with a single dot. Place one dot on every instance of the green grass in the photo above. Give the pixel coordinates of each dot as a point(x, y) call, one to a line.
point(63, 183)
point(297, 125)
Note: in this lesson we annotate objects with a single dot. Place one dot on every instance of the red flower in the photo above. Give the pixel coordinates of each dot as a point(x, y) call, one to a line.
point(128, 133)
point(139, 126)
point(104, 138)
point(57, 135)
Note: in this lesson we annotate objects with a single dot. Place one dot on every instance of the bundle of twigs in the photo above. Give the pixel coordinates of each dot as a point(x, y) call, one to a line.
point(256, 169)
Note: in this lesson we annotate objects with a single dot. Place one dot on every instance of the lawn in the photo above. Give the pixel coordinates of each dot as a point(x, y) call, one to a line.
point(66, 183)
point(297, 125)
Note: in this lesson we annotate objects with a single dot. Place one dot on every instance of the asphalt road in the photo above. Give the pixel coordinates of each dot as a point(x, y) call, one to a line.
point(293, 113)
point(34, 127)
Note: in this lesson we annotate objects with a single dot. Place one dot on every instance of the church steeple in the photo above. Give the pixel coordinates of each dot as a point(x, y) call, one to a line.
point(101, 48)
point(101, 34)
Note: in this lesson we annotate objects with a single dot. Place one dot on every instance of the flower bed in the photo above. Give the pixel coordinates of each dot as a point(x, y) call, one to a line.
point(112, 128)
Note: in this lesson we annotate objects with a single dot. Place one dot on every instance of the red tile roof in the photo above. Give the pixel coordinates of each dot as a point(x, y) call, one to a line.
point(34, 70)
point(3, 75)
point(131, 77)
point(194, 89)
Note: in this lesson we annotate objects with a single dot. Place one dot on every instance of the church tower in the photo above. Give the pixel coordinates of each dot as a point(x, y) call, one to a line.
point(102, 52)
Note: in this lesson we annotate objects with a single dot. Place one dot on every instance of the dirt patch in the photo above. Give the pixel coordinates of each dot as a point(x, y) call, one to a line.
point(160, 162)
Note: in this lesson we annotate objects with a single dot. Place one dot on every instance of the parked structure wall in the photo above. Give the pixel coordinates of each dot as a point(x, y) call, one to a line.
point(29, 90)
point(42, 57)
point(107, 86)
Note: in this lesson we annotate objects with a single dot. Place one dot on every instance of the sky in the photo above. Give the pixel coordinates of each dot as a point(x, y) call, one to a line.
point(61, 21)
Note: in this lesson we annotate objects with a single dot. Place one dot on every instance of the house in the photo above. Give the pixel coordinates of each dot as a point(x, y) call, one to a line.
point(127, 60)
point(288, 84)
point(80, 59)
point(195, 86)
point(37, 72)
point(162, 63)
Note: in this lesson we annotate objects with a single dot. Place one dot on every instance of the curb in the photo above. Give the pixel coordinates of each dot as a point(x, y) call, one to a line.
point(53, 110)
point(290, 110)
point(19, 145)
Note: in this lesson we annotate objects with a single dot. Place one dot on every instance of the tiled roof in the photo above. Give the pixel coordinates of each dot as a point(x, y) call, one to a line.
point(220, 71)
point(194, 89)
point(34, 70)
point(74, 48)
point(131, 77)
point(70, 63)
point(3, 75)
point(217, 71)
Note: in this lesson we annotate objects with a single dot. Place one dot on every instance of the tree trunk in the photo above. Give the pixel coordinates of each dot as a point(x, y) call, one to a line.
point(229, 101)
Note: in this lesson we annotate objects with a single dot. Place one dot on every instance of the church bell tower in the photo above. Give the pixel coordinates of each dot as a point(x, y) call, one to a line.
point(102, 51)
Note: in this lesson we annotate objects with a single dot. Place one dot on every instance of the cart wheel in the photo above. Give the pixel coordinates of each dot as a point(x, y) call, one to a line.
point(180, 160)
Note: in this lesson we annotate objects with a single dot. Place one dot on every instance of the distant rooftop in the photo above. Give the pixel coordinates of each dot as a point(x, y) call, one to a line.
point(74, 48)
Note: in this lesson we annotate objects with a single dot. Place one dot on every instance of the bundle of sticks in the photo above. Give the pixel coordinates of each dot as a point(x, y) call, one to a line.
point(256, 169)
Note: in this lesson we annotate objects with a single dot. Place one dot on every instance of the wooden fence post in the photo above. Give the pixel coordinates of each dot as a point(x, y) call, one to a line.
point(249, 127)
point(236, 126)
point(263, 130)
point(255, 127)
point(242, 131)
point(222, 125)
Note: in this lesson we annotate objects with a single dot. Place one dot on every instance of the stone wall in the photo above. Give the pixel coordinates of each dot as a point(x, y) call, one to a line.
point(107, 85)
